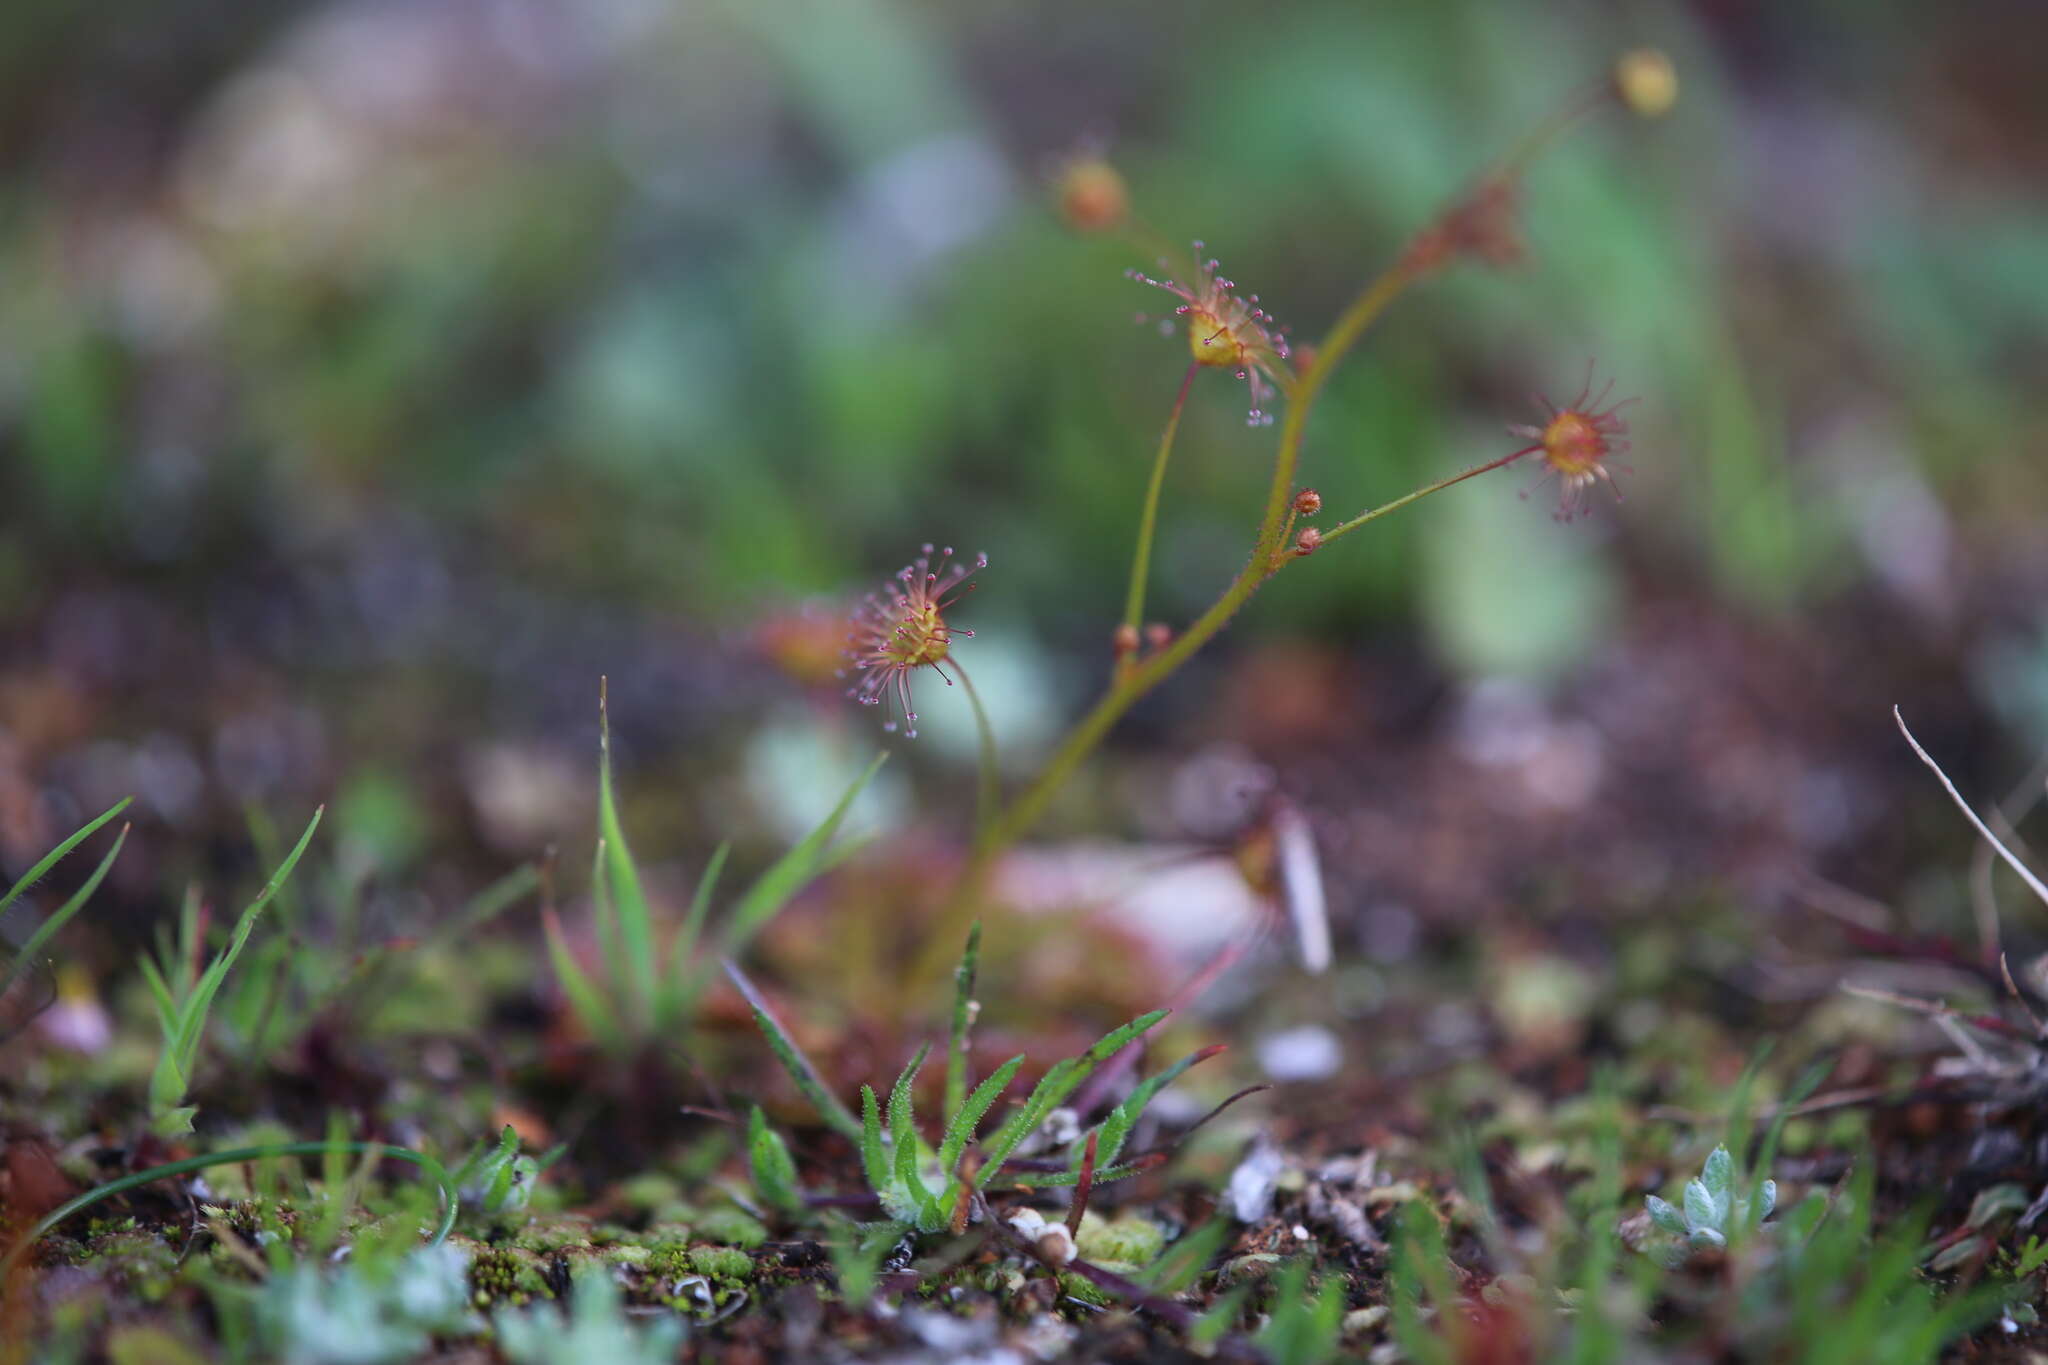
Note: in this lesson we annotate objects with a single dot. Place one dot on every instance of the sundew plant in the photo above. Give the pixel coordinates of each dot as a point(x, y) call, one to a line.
point(904, 631)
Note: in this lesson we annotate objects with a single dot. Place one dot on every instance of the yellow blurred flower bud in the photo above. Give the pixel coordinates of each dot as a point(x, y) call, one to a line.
point(1646, 82)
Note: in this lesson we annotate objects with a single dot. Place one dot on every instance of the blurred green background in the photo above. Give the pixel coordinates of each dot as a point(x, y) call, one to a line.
point(374, 375)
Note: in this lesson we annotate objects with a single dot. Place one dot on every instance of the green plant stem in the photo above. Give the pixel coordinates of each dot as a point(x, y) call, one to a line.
point(1373, 514)
point(987, 791)
point(450, 1201)
point(1267, 557)
point(1134, 678)
point(1363, 312)
point(1148, 521)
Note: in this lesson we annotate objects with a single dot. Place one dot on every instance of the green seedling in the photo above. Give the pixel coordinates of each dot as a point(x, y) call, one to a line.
point(26, 958)
point(1712, 1211)
point(930, 1188)
point(184, 994)
point(642, 994)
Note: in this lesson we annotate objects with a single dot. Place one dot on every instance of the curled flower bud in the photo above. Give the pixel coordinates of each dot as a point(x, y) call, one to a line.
point(1308, 502)
point(1124, 641)
point(1158, 635)
point(902, 629)
point(1091, 194)
point(1646, 82)
point(1486, 225)
point(1308, 541)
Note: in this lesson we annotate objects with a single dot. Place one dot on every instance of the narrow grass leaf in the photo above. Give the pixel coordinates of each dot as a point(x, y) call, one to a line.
point(960, 1130)
point(200, 1001)
point(1059, 1082)
point(829, 1106)
point(48, 928)
point(769, 1161)
point(903, 1123)
point(963, 1020)
point(589, 1003)
point(635, 918)
point(794, 869)
point(1116, 1129)
point(1181, 1264)
point(57, 854)
point(682, 981)
point(874, 1160)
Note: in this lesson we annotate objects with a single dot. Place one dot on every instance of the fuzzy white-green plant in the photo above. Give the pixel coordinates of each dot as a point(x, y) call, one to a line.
point(1712, 1212)
point(364, 1315)
point(595, 1328)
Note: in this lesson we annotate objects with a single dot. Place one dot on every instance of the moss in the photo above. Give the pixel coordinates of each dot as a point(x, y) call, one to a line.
point(1073, 1286)
point(733, 1226)
point(506, 1274)
point(553, 1234)
point(1124, 1243)
point(721, 1263)
point(670, 1259)
point(138, 1258)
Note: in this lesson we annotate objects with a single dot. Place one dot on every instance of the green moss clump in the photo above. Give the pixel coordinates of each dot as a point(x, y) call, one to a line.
point(544, 1235)
point(1123, 1244)
point(138, 1258)
point(1073, 1286)
point(671, 1259)
point(732, 1226)
point(721, 1263)
point(506, 1274)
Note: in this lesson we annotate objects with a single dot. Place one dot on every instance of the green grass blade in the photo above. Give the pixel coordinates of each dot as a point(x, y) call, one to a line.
point(48, 928)
point(874, 1162)
point(902, 1116)
point(635, 918)
point(683, 983)
point(57, 854)
point(963, 1019)
point(1181, 1264)
point(604, 927)
point(1117, 1127)
point(794, 869)
point(1802, 1088)
point(486, 905)
point(768, 1161)
point(1060, 1180)
point(960, 1130)
point(200, 1001)
point(166, 1005)
point(830, 1108)
point(1058, 1083)
point(592, 1006)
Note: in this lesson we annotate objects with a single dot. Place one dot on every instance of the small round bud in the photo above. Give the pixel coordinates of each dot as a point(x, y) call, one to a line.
point(1124, 640)
point(1308, 541)
point(1308, 502)
point(1646, 82)
point(1158, 635)
point(1092, 197)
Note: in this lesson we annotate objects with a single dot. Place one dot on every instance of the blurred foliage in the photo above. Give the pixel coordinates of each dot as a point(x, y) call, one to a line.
point(472, 347)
